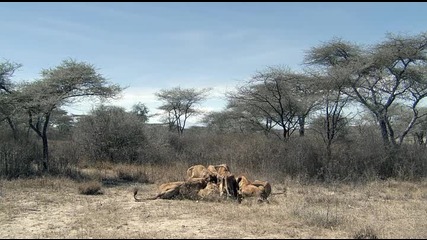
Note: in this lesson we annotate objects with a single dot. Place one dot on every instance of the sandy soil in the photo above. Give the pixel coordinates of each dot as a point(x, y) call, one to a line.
point(54, 209)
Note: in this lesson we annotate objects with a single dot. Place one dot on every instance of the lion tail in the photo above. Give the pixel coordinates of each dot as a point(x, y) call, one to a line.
point(278, 193)
point(135, 192)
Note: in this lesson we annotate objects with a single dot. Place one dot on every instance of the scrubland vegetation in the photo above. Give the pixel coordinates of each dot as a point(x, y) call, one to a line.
point(346, 174)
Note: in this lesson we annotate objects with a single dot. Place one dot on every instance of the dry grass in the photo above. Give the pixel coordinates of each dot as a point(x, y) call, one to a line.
point(54, 208)
point(114, 174)
point(366, 233)
point(90, 188)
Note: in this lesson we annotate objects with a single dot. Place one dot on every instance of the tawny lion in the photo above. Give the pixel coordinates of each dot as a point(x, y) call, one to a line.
point(260, 189)
point(200, 171)
point(265, 184)
point(210, 192)
point(166, 191)
point(177, 190)
point(221, 169)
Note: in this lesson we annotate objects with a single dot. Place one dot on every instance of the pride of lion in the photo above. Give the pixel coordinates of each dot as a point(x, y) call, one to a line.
point(214, 182)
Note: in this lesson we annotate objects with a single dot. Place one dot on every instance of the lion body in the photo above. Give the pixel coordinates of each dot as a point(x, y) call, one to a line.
point(210, 192)
point(266, 185)
point(259, 189)
point(206, 182)
point(178, 190)
point(197, 171)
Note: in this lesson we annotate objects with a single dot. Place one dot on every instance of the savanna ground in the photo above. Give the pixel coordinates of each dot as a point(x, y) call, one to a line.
point(49, 207)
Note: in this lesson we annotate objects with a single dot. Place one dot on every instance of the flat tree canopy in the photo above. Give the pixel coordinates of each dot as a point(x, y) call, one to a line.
point(64, 84)
point(179, 105)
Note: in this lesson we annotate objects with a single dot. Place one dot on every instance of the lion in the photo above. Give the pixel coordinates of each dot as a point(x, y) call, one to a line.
point(260, 189)
point(212, 171)
point(210, 192)
point(177, 190)
point(223, 170)
point(265, 184)
point(220, 170)
point(166, 191)
point(191, 187)
point(198, 171)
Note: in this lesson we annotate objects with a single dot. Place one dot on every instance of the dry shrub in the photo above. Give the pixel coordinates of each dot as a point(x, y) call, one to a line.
point(365, 233)
point(90, 188)
point(132, 173)
point(17, 158)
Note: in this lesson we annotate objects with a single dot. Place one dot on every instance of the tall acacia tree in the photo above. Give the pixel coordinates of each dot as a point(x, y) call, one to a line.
point(69, 82)
point(326, 64)
point(179, 104)
point(276, 97)
point(7, 103)
point(392, 72)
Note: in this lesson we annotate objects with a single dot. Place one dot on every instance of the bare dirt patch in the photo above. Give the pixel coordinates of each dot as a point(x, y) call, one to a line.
point(53, 208)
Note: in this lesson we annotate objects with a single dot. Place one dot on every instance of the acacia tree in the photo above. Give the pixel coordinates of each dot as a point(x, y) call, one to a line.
point(7, 69)
point(179, 105)
point(275, 97)
point(232, 120)
point(141, 111)
point(419, 131)
point(326, 64)
point(7, 102)
point(386, 74)
point(64, 84)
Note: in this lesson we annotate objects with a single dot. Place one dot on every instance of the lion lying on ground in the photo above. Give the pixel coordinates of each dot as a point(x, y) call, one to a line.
point(166, 191)
point(265, 184)
point(210, 192)
point(177, 190)
point(260, 189)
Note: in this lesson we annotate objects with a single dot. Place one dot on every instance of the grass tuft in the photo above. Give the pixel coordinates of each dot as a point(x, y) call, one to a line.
point(366, 233)
point(90, 188)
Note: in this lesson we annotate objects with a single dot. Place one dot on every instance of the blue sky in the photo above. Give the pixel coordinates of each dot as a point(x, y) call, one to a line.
point(151, 46)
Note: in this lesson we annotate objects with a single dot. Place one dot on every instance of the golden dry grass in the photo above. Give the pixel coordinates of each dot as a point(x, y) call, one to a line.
point(54, 208)
point(90, 188)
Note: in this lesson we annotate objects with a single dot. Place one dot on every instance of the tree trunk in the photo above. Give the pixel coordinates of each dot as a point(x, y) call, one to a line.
point(12, 126)
point(301, 122)
point(45, 160)
point(45, 144)
point(329, 151)
point(419, 138)
point(43, 135)
point(384, 132)
point(285, 134)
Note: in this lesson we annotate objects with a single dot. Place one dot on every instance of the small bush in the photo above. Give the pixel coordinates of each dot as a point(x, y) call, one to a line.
point(365, 233)
point(90, 188)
